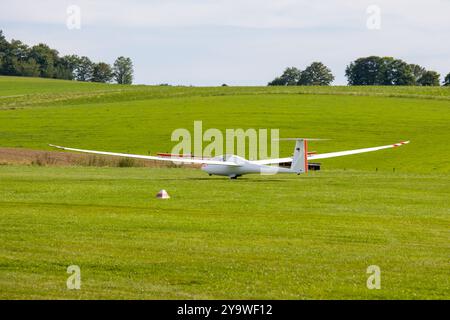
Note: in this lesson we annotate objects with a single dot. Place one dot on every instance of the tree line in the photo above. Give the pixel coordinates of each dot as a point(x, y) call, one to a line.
point(19, 59)
point(373, 70)
point(316, 74)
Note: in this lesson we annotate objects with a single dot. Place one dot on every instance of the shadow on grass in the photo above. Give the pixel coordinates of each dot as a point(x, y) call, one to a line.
point(241, 179)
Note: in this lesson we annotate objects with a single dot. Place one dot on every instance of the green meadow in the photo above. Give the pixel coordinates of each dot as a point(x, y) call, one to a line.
point(277, 237)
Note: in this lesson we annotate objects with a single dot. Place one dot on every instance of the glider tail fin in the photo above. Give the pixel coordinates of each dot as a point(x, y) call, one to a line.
point(300, 158)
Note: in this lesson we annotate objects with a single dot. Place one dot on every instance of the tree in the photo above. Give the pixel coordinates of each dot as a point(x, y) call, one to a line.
point(29, 68)
point(4, 48)
point(447, 80)
point(123, 70)
point(277, 82)
point(429, 78)
point(16, 58)
point(417, 72)
point(4, 44)
point(397, 72)
point(64, 68)
point(84, 69)
point(46, 58)
point(385, 71)
point(102, 72)
point(290, 77)
point(62, 72)
point(365, 71)
point(317, 74)
point(71, 64)
point(16, 53)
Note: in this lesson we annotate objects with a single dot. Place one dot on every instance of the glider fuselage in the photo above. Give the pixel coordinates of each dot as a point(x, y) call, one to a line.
point(244, 166)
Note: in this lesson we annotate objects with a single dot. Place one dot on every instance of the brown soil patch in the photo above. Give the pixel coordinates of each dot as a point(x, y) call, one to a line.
point(58, 158)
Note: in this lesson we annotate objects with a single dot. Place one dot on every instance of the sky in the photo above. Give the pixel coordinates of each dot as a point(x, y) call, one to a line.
point(237, 42)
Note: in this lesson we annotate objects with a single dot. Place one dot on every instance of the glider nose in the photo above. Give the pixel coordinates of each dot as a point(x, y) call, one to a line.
point(207, 169)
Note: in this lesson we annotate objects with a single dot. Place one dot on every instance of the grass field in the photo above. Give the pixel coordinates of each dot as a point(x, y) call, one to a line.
point(294, 237)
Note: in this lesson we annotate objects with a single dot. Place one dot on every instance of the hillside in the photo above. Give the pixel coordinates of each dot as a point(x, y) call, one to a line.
point(309, 236)
point(21, 92)
point(140, 119)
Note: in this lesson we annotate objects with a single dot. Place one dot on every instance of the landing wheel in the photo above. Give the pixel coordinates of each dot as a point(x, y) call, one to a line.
point(210, 174)
point(233, 177)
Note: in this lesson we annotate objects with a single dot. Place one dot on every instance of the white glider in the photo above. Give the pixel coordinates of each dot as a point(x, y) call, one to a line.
point(234, 166)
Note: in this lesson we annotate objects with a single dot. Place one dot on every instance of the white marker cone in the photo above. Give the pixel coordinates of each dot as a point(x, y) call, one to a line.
point(163, 194)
